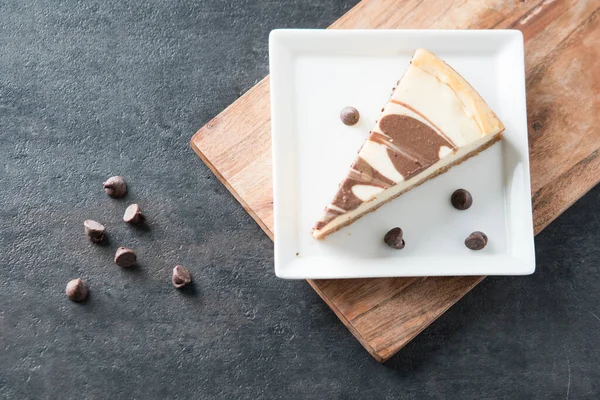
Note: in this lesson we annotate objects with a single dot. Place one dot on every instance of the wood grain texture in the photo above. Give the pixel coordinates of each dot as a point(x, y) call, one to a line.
point(562, 51)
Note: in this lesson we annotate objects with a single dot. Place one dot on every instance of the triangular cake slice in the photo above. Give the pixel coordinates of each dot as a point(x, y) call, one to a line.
point(433, 121)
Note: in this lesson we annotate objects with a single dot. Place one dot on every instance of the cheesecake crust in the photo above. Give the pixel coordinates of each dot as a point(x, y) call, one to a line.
point(474, 104)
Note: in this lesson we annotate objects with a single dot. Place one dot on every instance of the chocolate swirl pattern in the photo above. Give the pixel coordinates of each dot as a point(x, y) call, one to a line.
point(410, 147)
point(433, 120)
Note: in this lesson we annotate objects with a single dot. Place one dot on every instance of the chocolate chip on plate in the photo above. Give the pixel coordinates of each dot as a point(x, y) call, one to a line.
point(133, 214)
point(77, 290)
point(115, 186)
point(94, 230)
point(125, 257)
point(394, 239)
point(476, 240)
point(461, 199)
point(349, 116)
point(181, 276)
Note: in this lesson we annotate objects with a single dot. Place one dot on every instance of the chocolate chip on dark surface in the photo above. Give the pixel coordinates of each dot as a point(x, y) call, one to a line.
point(115, 186)
point(125, 257)
point(476, 240)
point(394, 239)
point(133, 214)
point(461, 199)
point(349, 116)
point(181, 276)
point(77, 290)
point(94, 230)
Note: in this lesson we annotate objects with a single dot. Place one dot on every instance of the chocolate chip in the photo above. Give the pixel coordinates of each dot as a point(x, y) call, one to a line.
point(133, 214)
point(94, 230)
point(125, 257)
point(476, 240)
point(115, 186)
point(461, 199)
point(394, 239)
point(349, 116)
point(77, 290)
point(181, 276)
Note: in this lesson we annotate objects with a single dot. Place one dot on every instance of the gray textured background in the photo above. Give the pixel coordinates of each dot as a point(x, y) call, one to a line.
point(89, 89)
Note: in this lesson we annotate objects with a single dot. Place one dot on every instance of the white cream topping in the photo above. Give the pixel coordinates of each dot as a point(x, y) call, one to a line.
point(366, 192)
point(436, 100)
point(336, 208)
point(444, 151)
point(376, 155)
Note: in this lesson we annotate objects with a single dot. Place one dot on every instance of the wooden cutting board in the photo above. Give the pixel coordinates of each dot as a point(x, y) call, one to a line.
point(562, 52)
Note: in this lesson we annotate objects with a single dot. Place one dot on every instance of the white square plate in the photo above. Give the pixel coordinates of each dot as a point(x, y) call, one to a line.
point(314, 74)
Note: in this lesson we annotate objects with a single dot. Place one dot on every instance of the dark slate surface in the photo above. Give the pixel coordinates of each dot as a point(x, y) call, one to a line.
point(94, 88)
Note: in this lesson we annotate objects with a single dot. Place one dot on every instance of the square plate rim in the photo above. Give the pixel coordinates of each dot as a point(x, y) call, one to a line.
point(275, 38)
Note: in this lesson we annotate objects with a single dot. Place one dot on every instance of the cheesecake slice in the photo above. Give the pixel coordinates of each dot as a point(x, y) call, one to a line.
point(433, 121)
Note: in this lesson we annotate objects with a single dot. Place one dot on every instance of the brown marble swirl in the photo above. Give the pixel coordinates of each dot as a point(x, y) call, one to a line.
point(412, 147)
point(413, 137)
